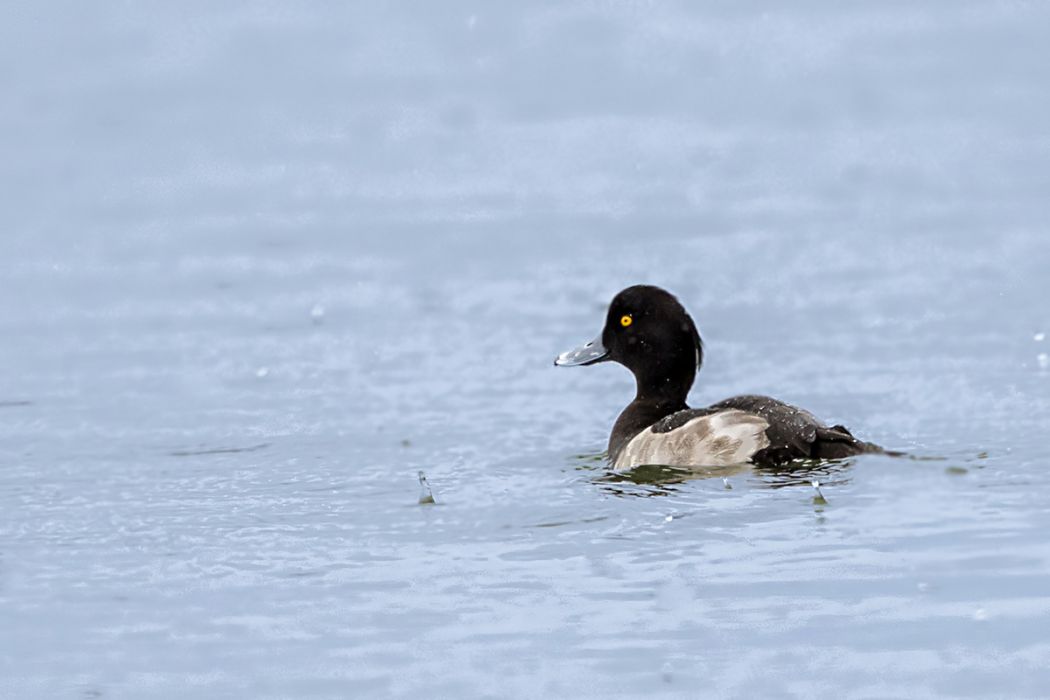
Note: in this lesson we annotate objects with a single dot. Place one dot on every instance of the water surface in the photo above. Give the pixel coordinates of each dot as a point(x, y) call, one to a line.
point(263, 265)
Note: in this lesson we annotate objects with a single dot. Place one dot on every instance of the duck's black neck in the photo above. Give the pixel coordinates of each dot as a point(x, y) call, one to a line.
point(639, 415)
point(665, 380)
point(663, 376)
point(654, 399)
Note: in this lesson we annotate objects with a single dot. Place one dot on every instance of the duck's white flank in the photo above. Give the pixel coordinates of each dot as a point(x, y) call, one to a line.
point(720, 439)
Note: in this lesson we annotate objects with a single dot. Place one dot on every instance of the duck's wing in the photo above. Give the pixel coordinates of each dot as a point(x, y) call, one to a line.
point(795, 433)
point(704, 437)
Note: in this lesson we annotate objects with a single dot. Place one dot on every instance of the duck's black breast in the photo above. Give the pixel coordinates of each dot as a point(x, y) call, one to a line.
point(756, 429)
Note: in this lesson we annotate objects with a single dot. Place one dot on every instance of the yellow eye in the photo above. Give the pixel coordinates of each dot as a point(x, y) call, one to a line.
point(626, 320)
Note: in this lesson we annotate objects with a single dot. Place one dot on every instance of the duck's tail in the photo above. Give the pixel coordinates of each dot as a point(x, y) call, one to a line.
point(837, 442)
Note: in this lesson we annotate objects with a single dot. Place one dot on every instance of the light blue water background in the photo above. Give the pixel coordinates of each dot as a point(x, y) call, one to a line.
point(262, 263)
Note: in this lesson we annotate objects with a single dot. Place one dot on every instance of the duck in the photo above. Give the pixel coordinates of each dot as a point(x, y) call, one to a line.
point(648, 331)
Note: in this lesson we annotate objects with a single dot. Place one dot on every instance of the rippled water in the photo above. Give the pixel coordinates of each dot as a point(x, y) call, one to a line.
point(263, 265)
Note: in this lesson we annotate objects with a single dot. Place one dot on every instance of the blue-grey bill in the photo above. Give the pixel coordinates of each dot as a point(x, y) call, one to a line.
point(587, 354)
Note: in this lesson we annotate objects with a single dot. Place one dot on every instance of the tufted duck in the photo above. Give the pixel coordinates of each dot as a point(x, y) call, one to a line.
point(648, 331)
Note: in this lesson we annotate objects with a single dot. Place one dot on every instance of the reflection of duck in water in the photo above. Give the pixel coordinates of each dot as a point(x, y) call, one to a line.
point(664, 474)
point(648, 331)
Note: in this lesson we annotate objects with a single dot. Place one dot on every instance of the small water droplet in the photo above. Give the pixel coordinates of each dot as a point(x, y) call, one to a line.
point(669, 518)
point(317, 313)
point(1039, 337)
point(426, 495)
point(262, 372)
point(1043, 359)
point(980, 614)
point(923, 587)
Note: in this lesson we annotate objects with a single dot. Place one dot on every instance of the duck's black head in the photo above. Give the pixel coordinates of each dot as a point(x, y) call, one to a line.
point(648, 331)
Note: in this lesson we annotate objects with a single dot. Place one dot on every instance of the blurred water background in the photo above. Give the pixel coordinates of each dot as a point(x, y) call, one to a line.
point(262, 263)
